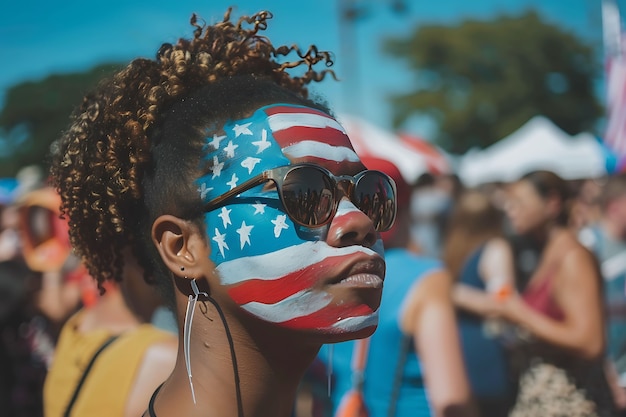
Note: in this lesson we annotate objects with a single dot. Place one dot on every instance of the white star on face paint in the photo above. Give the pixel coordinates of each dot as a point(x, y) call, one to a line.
point(219, 239)
point(225, 216)
point(216, 141)
point(279, 224)
point(230, 149)
point(262, 144)
point(242, 129)
point(250, 163)
point(203, 190)
point(217, 167)
point(259, 208)
point(244, 234)
point(233, 181)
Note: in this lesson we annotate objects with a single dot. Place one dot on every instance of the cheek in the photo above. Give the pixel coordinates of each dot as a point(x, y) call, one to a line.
point(250, 228)
point(273, 270)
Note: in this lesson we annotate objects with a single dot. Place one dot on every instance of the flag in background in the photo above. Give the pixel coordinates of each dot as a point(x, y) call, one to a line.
point(615, 52)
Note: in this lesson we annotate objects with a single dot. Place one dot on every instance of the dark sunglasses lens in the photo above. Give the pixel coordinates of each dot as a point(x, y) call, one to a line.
point(308, 196)
point(374, 195)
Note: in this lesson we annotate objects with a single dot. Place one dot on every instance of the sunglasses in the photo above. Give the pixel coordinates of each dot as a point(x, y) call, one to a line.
point(310, 194)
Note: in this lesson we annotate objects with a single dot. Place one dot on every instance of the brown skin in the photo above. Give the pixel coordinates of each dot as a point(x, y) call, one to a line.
point(270, 360)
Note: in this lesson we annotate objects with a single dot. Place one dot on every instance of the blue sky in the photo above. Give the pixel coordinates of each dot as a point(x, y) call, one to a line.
point(39, 37)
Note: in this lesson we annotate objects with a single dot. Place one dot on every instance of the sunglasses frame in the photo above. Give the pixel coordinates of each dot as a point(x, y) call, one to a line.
point(279, 174)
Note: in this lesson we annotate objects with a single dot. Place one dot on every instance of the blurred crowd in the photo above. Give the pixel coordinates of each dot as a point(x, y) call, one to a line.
point(538, 287)
point(53, 316)
point(499, 300)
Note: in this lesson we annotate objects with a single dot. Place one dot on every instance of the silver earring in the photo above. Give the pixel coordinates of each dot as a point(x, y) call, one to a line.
point(329, 368)
point(191, 305)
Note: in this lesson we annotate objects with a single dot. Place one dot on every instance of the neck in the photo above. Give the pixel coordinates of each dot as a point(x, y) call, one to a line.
point(543, 234)
point(260, 380)
point(110, 313)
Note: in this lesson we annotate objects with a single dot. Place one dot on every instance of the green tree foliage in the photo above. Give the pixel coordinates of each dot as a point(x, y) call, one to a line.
point(35, 114)
point(481, 80)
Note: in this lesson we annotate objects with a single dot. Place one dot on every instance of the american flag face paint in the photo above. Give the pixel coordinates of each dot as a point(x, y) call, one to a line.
point(273, 268)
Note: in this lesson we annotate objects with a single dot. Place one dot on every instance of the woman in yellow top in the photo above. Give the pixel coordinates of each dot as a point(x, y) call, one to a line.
point(133, 356)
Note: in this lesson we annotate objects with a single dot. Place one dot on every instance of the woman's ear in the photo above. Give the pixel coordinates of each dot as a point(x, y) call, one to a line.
point(182, 246)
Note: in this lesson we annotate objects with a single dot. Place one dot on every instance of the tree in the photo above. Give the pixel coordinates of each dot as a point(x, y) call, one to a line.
point(481, 80)
point(36, 113)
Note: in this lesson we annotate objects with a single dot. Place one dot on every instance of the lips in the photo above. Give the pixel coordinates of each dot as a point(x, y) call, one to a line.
point(368, 273)
point(362, 280)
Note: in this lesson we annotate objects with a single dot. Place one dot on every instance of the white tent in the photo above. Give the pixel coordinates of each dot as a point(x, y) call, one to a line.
point(411, 160)
point(538, 144)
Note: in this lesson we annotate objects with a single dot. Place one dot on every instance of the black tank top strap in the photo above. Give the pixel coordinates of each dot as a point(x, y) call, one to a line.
point(151, 412)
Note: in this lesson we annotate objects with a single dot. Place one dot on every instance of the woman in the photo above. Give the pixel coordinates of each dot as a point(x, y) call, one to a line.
point(561, 308)
point(481, 260)
point(110, 357)
point(207, 161)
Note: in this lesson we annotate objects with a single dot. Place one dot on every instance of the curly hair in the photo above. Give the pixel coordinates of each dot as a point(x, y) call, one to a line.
point(135, 142)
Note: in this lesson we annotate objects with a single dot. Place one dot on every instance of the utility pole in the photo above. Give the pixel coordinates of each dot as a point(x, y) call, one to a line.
point(350, 12)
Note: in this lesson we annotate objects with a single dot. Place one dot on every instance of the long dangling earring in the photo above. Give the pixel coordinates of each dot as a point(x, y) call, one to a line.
point(191, 305)
point(329, 369)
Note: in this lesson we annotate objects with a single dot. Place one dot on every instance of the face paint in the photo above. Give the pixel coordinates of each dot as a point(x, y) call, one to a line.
point(269, 265)
point(307, 133)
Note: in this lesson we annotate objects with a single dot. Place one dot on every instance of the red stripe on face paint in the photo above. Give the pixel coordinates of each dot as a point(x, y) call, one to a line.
point(292, 109)
point(276, 290)
point(296, 134)
point(328, 316)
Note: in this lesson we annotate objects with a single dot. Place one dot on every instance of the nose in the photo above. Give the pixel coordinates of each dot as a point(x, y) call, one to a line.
point(351, 226)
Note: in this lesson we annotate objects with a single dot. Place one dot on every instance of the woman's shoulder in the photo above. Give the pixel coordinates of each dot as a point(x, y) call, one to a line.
point(566, 245)
point(571, 256)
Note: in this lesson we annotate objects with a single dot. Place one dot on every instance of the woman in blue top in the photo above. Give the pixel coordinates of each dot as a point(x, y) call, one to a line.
point(481, 260)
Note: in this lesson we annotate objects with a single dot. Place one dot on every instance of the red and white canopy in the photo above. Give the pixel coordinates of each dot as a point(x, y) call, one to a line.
point(412, 155)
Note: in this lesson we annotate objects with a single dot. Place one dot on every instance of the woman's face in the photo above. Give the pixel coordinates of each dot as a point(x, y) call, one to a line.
point(525, 208)
point(326, 279)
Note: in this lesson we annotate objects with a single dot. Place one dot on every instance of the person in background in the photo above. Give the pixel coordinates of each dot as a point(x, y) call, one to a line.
point(26, 338)
point(38, 297)
point(561, 308)
point(432, 198)
point(481, 261)
point(586, 209)
point(242, 199)
point(131, 357)
point(414, 365)
point(606, 237)
point(65, 284)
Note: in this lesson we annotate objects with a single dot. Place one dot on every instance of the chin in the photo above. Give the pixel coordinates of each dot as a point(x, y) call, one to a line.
point(346, 336)
point(349, 328)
